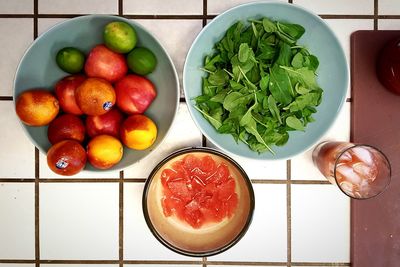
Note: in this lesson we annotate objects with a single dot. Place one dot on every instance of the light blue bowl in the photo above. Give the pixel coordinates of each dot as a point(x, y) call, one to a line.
point(38, 69)
point(333, 74)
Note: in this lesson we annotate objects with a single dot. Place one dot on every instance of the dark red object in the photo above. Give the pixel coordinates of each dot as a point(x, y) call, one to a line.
point(388, 66)
point(65, 92)
point(66, 126)
point(105, 63)
point(67, 157)
point(108, 123)
point(375, 239)
point(134, 94)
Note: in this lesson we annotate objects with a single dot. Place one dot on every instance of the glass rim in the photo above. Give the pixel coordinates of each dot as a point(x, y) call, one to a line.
point(368, 146)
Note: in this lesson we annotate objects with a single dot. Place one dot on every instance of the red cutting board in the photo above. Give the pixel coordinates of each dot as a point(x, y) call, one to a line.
point(375, 120)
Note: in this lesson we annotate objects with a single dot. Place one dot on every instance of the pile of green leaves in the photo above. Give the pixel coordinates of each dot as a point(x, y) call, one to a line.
point(259, 84)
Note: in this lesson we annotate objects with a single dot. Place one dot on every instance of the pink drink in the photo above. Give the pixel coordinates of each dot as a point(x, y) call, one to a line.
point(361, 171)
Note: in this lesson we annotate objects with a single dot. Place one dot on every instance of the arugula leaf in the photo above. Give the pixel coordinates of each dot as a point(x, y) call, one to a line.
point(210, 62)
point(285, 54)
point(235, 99)
point(218, 78)
point(294, 31)
point(251, 127)
point(303, 76)
point(297, 61)
point(294, 123)
point(248, 116)
point(274, 109)
point(244, 52)
point(280, 85)
point(268, 25)
point(214, 122)
point(264, 82)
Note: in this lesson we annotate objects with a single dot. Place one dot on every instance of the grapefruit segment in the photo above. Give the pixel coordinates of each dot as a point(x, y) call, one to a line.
point(198, 191)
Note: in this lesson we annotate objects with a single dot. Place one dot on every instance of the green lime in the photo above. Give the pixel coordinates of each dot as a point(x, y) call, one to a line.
point(119, 36)
point(70, 59)
point(142, 61)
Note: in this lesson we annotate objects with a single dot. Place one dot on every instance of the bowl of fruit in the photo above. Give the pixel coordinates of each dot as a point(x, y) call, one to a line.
point(265, 80)
point(198, 202)
point(96, 92)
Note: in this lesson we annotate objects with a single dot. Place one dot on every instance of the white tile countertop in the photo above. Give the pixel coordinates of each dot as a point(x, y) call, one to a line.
point(85, 220)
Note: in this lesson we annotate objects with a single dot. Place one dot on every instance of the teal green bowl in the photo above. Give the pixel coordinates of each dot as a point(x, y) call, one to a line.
point(38, 69)
point(333, 74)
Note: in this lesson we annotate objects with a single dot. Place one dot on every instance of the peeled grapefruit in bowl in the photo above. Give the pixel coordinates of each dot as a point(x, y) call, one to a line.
point(38, 69)
point(198, 202)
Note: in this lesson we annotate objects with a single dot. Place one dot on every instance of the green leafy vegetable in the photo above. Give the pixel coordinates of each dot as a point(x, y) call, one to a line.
point(259, 84)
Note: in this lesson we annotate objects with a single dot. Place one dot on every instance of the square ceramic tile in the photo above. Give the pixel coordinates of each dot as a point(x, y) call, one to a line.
point(388, 7)
point(176, 36)
point(46, 172)
point(16, 7)
point(216, 7)
point(343, 28)
point(354, 7)
point(320, 224)
point(157, 7)
point(302, 166)
point(17, 153)
point(79, 221)
point(183, 133)
point(266, 239)
point(258, 169)
point(13, 47)
point(139, 242)
point(78, 7)
point(45, 24)
point(389, 24)
point(17, 224)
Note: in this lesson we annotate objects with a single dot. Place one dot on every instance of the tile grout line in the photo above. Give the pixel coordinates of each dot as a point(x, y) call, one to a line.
point(37, 169)
point(121, 218)
point(172, 262)
point(204, 19)
point(288, 212)
point(120, 7)
point(121, 187)
point(204, 13)
point(188, 17)
point(376, 3)
point(142, 180)
point(37, 210)
point(37, 173)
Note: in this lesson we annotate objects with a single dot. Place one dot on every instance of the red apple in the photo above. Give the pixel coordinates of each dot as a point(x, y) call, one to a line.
point(105, 63)
point(66, 126)
point(134, 94)
point(65, 92)
point(108, 123)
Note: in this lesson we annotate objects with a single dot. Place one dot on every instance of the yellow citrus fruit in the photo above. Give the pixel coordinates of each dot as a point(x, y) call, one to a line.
point(138, 132)
point(37, 107)
point(104, 151)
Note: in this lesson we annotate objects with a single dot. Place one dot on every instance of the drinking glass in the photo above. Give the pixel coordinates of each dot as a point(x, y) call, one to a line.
point(361, 171)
